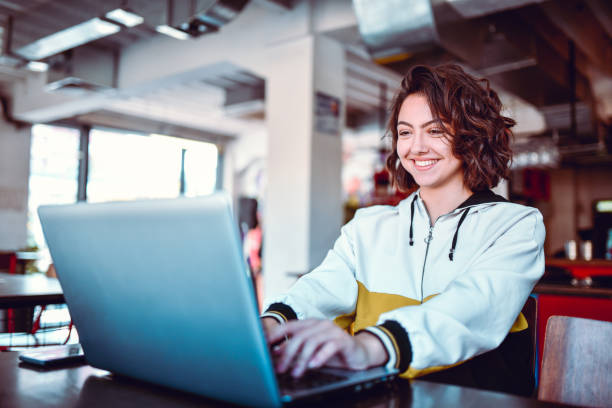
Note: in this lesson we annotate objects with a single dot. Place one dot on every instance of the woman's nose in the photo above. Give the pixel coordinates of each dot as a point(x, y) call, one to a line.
point(419, 144)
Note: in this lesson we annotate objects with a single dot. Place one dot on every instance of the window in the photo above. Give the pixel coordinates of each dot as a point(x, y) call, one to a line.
point(54, 164)
point(200, 167)
point(122, 166)
point(128, 166)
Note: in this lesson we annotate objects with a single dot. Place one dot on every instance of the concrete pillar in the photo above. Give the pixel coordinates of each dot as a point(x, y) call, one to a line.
point(303, 208)
point(14, 176)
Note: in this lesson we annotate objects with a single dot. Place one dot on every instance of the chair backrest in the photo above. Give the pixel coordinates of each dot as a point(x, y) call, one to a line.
point(577, 362)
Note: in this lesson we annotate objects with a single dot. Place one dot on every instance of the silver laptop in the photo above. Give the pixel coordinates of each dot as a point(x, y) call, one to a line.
point(159, 291)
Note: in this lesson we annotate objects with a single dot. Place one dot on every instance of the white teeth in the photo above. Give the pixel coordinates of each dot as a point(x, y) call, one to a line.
point(425, 162)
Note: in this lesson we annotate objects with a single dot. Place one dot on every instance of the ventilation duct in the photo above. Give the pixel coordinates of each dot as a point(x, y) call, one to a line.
point(399, 34)
point(207, 16)
point(393, 28)
point(245, 101)
point(82, 70)
point(75, 66)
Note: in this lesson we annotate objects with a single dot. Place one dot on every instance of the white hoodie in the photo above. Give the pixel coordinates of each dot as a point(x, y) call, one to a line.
point(391, 273)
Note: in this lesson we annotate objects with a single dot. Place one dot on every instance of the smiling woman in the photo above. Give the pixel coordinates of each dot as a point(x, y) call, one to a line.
point(448, 138)
point(460, 125)
point(433, 286)
point(425, 150)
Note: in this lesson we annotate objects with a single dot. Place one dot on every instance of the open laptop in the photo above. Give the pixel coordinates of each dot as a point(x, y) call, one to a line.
point(159, 291)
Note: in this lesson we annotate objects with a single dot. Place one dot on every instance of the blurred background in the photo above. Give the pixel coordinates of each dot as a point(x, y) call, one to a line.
point(282, 104)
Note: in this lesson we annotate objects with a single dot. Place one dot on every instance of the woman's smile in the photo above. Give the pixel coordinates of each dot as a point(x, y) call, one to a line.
point(423, 165)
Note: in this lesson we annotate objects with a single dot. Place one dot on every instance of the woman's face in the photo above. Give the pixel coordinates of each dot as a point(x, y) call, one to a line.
point(424, 148)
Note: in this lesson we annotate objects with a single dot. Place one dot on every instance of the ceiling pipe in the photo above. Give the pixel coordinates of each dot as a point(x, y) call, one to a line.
point(425, 24)
point(572, 85)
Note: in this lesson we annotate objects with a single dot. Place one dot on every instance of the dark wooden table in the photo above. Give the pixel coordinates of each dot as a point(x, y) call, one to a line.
point(29, 290)
point(23, 386)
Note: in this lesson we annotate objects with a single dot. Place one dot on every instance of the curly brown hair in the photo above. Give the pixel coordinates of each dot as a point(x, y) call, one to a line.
point(471, 112)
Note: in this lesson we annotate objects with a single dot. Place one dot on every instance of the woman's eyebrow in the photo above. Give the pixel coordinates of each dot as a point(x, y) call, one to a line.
point(437, 120)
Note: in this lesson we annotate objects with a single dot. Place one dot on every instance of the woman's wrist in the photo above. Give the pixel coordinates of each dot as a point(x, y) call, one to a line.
point(375, 350)
point(269, 322)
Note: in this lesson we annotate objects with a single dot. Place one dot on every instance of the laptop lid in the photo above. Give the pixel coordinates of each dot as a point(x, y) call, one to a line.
point(159, 291)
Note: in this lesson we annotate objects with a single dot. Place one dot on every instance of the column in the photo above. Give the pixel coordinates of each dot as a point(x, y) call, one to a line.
point(14, 176)
point(303, 206)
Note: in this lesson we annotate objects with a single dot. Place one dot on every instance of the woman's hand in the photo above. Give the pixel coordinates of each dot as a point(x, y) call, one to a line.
point(269, 323)
point(316, 343)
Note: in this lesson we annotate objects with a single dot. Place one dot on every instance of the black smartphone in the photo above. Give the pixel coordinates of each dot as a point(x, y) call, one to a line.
point(56, 355)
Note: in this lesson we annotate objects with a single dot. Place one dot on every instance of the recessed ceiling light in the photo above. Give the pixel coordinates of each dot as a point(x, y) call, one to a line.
point(172, 32)
point(69, 38)
point(125, 17)
point(37, 66)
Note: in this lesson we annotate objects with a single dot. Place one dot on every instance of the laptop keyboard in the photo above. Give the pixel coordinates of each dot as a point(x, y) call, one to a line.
point(309, 380)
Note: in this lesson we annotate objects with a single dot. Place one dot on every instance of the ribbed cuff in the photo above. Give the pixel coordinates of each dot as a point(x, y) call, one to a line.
point(387, 343)
point(280, 319)
point(400, 341)
point(280, 310)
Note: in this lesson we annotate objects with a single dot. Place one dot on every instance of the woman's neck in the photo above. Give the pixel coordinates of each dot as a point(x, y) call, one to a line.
point(439, 201)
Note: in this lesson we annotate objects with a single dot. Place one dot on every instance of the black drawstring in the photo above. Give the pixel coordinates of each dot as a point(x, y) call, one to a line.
point(411, 242)
point(452, 250)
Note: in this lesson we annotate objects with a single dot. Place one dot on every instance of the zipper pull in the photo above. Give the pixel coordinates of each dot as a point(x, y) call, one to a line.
point(429, 237)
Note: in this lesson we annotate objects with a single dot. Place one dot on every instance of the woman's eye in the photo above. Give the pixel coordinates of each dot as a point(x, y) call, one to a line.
point(404, 133)
point(436, 132)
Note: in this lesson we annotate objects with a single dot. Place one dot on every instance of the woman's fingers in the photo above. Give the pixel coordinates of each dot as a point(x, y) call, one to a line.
point(305, 340)
point(324, 355)
point(297, 332)
point(281, 332)
point(310, 346)
point(316, 343)
point(288, 353)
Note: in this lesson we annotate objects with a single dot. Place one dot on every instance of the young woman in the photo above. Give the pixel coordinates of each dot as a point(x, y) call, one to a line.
point(433, 286)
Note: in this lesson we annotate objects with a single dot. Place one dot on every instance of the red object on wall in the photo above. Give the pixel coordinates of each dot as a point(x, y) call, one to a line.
point(536, 184)
point(13, 264)
point(574, 306)
point(8, 260)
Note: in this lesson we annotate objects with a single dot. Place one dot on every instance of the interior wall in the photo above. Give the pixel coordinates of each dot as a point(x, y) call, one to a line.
point(591, 185)
point(250, 152)
point(561, 215)
point(572, 194)
point(14, 174)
